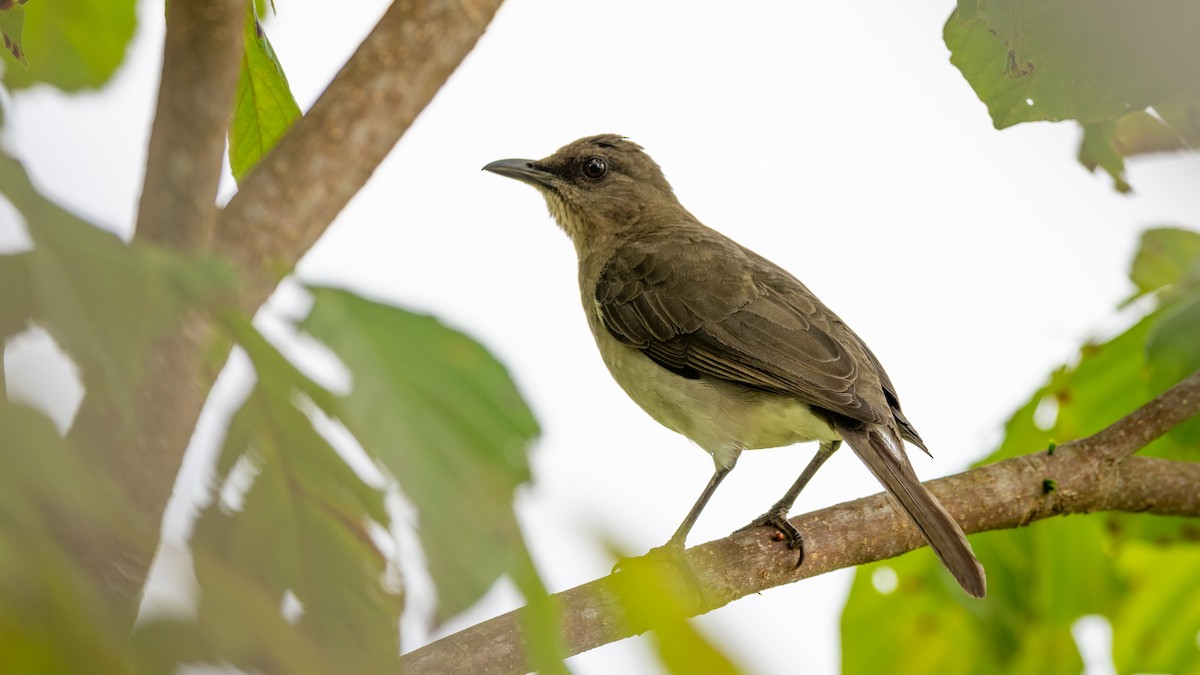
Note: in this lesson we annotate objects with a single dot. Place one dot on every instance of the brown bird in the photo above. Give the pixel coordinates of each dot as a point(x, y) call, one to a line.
point(722, 345)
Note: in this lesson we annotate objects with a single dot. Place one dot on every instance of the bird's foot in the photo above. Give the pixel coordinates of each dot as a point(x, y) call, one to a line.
point(784, 530)
point(671, 554)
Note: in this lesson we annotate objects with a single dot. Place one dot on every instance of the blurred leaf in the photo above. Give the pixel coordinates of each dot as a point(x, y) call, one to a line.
point(1101, 62)
point(443, 415)
point(1089, 60)
point(16, 312)
point(240, 623)
point(1157, 629)
point(103, 300)
point(265, 108)
point(654, 598)
point(12, 18)
point(1099, 149)
point(1165, 256)
point(1108, 383)
point(51, 617)
point(1173, 346)
point(302, 529)
point(73, 45)
point(1173, 353)
point(314, 461)
point(260, 8)
point(1175, 128)
point(541, 620)
point(1181, 114)
point(1040, 579)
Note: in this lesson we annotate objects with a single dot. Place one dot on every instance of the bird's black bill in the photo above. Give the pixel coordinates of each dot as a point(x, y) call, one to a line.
point(523, 170)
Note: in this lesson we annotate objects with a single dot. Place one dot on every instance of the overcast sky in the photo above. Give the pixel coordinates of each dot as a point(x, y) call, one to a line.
point(836, 141)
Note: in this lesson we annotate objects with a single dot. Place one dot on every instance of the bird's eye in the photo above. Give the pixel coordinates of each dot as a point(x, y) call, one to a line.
point(594, 167)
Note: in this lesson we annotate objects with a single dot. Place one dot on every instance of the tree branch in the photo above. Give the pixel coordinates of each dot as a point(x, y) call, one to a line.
point(279, 213)
point(201, 55)
point(294, 194)
point(199, 76)
point(1004, 495)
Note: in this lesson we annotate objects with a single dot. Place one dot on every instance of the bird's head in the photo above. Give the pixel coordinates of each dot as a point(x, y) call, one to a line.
point(597, 186)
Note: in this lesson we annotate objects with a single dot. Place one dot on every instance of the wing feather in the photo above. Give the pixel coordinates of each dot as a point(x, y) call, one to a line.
point(724, 312)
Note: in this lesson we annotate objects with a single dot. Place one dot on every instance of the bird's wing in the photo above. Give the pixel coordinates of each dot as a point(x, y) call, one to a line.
point(703, 306)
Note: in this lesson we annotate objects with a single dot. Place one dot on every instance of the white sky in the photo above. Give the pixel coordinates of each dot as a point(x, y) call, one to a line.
point(837, 141)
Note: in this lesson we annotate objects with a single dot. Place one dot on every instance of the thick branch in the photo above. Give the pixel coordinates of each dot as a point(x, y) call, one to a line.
point(1008, 494)
point(289, 199)
point(199, 77)
point(187, 142)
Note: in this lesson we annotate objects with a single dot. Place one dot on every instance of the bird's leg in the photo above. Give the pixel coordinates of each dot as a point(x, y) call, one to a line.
point(673, 551)
point(776, 516)
point(677, 540)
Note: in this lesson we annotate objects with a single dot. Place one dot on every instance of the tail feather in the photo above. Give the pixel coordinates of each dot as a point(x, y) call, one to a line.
point(881, 449)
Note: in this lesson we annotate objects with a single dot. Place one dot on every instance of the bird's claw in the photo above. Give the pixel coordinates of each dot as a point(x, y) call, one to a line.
point(784, 530)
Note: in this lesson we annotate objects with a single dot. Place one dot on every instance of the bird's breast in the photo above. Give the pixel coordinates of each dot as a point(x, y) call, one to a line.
point(721, 417)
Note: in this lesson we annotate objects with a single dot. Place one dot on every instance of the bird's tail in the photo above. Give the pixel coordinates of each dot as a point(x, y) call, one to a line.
point(881, 449)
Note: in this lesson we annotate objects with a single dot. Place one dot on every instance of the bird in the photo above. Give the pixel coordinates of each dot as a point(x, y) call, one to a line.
point(723, 346)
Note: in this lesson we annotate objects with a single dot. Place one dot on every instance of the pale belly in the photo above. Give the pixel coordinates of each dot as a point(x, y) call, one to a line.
point(720, 417)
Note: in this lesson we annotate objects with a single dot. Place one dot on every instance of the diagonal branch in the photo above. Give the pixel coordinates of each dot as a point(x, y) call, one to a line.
point(294, 194)
point(1137, 429)
point(1004, 495)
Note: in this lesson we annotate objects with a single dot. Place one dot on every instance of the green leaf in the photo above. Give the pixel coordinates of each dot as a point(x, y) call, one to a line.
point(1165, 256)
point(541, 619)
point(1173, 346)
point(1040, 579)
point(265, 107)
point(1157, 628)
point(1101, 62)
point(445, 418)
point(654, 598)
point(260, 7)
point(1089, 60)
point(315, 462)
point(1099, 149)
point(303, 529)
point(1173, 353)
point(52, 619)
point(103, 300)
point(12, 19)
point(1108, 383)
point(1181, 115)
point(73, 45)
point(17, 310)
point(1107, 144)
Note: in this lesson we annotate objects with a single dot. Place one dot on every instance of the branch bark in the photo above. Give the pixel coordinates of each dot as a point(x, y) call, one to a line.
point(177, 209)
point(1092, 474)
point(201, 55)
point(289, 200)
